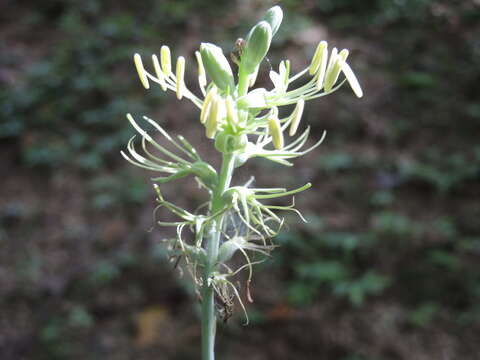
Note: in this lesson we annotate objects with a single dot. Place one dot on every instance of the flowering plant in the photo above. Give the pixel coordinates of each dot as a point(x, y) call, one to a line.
point(244, 123)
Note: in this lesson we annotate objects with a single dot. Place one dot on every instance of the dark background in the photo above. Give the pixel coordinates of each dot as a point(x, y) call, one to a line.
point(386, 269)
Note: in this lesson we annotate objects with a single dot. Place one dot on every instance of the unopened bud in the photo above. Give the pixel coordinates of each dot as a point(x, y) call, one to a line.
point(320, 56)
point(137, 59)
point(166, 60)
point(202, 80)
point(275, 131)
point(296, 117)
point(217, 66)
point(258, 43)
point(158, 72)
point(207, 103)
point(274, 18)
point(180, 75)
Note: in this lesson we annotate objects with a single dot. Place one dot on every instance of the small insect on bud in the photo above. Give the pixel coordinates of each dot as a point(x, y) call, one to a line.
point(137, 59)
point(217, 66)
point(166, 60)
point(352, 79)
point(319, 57)
point(296, 117)
point(158, 72)
point(180, 75)
point(274, 17)
point(207, 103)
point(202, 79)
point(333, 70)
point(275, 131)
point(258, 43)
point(232, 114)
point(214, 117)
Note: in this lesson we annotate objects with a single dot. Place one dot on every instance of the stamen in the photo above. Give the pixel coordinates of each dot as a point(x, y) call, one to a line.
point(202, 79)
point(158, 71)
point(166, 59)
point(318, 57)
point(137, 59)
point(180, 74)
point(275, 131)
point(296, 117)
point(352, 79)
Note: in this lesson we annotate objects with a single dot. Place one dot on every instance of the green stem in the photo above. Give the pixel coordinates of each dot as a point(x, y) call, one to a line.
point(213, 242)
point(242, 82)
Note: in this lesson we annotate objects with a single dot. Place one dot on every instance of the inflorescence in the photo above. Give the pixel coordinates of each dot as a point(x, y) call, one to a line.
point(244, 123)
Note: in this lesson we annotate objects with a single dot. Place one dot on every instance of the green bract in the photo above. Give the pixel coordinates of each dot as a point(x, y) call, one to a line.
point(229, 143)
point(258, 43)
point(217, 66)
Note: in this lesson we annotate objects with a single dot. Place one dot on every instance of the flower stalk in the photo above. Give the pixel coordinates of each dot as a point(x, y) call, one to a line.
point(244, 123)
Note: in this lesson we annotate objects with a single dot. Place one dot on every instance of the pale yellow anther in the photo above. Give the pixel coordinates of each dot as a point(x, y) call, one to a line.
point(207, 104)
point(296, 117)
point(351, 78)
point(202, 79)
point(275, 131)
point(158, 72)
point(232, 114)
point(166, 60)
point(334, 70)
point(320, 53)
point(180, 75)
point(322, 68)
point(213, 117)
point(137, 59)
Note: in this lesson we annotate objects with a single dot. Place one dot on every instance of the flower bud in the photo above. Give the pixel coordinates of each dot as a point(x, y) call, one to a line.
point(258, 43)
point(319, 57)
point(275, 131)
point(158, 72)
point(180, 75)
point(207, 104)
point(166, 60)
point(137, 59)
point(296, 117)
point(333, 70)
point(217, 66)
point(274, 18)
point(202, 80)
